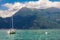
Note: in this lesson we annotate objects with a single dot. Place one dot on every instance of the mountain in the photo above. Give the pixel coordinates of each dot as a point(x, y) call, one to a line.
point(27, 18)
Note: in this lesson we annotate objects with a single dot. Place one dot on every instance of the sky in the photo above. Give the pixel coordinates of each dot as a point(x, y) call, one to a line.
point(10, 7)
point(13, 1)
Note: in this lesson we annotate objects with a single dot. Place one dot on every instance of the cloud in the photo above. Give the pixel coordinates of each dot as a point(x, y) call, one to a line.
point(13, 8)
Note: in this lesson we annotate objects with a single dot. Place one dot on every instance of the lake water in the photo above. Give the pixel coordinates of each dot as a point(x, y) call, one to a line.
point(31, 35)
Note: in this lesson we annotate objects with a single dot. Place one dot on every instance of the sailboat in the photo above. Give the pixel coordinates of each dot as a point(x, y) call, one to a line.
point(12, 30)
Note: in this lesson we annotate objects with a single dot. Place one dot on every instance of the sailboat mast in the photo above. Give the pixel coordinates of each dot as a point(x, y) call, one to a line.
point(12, 22)
point(12, 31)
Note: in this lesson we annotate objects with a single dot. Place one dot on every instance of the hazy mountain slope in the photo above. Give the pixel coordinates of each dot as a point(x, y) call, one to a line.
point(27, 18)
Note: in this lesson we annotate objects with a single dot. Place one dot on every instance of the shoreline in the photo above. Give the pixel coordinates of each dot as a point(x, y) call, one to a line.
point(32, 29)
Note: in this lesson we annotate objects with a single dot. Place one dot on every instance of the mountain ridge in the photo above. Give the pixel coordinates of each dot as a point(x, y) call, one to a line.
point(27, 18)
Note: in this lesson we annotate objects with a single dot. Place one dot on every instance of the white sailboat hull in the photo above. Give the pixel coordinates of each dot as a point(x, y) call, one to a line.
point(11, 31)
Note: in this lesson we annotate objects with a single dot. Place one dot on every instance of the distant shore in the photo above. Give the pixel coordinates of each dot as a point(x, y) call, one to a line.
point(32, 29)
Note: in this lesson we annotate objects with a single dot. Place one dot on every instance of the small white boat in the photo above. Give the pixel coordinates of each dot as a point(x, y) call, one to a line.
point(12, 30)
point(46, 33)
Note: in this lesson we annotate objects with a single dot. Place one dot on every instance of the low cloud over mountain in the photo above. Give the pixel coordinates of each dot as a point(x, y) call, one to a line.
point(13, 8)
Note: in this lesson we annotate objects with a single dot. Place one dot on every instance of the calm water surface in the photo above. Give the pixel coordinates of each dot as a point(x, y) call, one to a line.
point(31, 35)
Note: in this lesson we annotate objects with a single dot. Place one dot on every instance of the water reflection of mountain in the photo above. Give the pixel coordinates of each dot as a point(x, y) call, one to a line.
point(34, 19)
